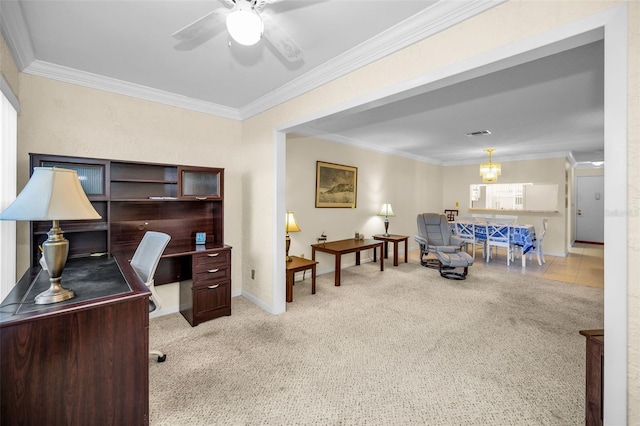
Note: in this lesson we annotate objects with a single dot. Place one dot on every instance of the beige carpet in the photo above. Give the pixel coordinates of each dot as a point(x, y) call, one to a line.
point(403, 346)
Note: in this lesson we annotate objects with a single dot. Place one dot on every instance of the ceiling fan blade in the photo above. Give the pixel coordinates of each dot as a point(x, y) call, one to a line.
point(259, 4)
point(200, 25)
point(281, 40)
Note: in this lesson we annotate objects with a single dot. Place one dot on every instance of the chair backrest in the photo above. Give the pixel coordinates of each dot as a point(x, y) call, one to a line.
point(434, 227)
point(465, 228)
point(503, 220)
point(451, 215)
point(544, 230)
point(506, 216)
point(498, 233)
point(147, 256)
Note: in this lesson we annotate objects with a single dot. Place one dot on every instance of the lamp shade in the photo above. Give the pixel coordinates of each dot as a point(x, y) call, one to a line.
point(386, 210)
point(245, 26)
point(51, 194)
point(291, 224)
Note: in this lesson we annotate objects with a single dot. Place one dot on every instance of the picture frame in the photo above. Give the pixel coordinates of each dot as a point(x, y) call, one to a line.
point(336, 185)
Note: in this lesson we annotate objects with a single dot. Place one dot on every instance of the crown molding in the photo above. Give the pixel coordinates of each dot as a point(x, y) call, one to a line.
point(15, 33)
point(95, 81)
point(428, 22)
point(432, 20)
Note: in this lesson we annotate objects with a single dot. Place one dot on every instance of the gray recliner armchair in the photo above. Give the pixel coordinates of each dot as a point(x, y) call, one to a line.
point(434, 236)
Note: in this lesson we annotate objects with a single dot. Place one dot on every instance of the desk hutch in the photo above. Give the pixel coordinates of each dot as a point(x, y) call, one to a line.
point(135, 197)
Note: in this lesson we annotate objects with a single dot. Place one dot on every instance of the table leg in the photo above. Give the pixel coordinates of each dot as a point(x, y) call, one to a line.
point(381, 259)
point(290, 286)
point(386, 249)
point(338, 265)
point(357, 258)
point(395, 253)
point(313, 279)
point(374, 254)
point(406, 250)
point(313, 253)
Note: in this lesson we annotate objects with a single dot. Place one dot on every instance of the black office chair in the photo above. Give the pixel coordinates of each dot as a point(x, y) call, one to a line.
point(145, 261)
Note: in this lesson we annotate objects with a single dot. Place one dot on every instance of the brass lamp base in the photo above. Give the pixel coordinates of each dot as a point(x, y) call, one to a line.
point(288, 243)
point(55, 251)
point(386, 227)
point(56, 293)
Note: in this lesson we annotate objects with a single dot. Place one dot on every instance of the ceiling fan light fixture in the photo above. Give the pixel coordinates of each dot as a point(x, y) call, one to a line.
point(245, 26)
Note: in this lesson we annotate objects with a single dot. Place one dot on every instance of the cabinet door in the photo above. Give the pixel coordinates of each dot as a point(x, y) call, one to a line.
point(201, 183)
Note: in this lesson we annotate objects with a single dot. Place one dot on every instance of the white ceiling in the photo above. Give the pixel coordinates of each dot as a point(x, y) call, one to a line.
point(548, 107)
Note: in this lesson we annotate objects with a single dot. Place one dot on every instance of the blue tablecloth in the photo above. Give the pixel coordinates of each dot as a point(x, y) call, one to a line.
point(520, 235)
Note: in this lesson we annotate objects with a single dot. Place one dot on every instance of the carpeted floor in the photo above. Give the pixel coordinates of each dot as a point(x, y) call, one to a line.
point(402, 346)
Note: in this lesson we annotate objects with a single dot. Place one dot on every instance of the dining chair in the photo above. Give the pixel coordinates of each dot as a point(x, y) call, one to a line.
point(498, 236)
point(537, 244)
point(466, 231)
point(451, 214)
point(145, 262)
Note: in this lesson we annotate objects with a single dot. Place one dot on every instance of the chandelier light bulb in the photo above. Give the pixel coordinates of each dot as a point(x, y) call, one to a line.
point(245, 26)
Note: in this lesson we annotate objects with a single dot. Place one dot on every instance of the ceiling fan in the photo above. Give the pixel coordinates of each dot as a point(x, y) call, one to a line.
point(245, 25)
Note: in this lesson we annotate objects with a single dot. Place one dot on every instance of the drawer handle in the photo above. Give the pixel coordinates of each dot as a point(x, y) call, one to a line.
point(201, 198)
point(213, 254)
point(213, 271)
point(211, 287)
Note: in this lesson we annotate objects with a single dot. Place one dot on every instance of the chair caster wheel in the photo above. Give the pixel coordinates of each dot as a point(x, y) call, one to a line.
point(162, 358)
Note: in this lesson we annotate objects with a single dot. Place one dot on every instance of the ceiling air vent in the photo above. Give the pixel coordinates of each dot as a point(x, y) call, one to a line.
point(479, 133)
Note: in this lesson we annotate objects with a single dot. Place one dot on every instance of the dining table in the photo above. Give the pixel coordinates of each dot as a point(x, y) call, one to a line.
point(521, 235)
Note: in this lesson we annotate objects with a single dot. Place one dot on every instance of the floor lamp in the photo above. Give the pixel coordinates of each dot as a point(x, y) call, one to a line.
point(52, 194)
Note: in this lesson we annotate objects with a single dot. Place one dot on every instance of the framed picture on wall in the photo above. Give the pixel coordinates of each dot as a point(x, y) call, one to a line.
point(336, 185)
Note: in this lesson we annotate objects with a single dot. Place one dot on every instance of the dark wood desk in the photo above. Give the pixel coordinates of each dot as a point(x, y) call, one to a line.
point(299, 264)
point(338, 248)
point(395, 239)
point(82, 361)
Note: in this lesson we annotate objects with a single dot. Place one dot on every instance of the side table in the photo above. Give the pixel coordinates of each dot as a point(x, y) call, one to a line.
point(395, 239)
point(299, 264)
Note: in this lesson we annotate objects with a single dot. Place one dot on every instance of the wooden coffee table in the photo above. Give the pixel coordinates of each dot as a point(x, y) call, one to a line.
point(299, 264)
point(338, 248)
point(395, 239)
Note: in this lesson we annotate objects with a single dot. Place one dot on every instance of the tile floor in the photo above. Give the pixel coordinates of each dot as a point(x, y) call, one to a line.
point(583, 266)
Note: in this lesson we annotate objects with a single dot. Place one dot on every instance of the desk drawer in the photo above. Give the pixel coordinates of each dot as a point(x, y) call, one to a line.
point(211, 301)
point(209, 276)
point(206, 261)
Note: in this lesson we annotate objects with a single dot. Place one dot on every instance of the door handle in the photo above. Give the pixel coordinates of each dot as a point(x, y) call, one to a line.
point(579, 212)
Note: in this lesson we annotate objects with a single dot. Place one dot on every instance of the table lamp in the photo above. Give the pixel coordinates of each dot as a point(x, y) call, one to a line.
point(291, 226)
point(386, 211)
point(52, 194)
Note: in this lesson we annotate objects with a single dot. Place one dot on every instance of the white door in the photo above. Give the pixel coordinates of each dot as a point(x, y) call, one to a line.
point(590, 209)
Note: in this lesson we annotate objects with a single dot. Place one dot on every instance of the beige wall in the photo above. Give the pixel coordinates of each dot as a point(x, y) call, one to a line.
point(60, 118)
point(456, 180)
point(505, 24)
point(66, 119)
point(410, 186)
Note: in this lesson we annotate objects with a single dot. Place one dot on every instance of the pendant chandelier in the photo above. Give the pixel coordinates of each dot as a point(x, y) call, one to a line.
point(490, 171)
